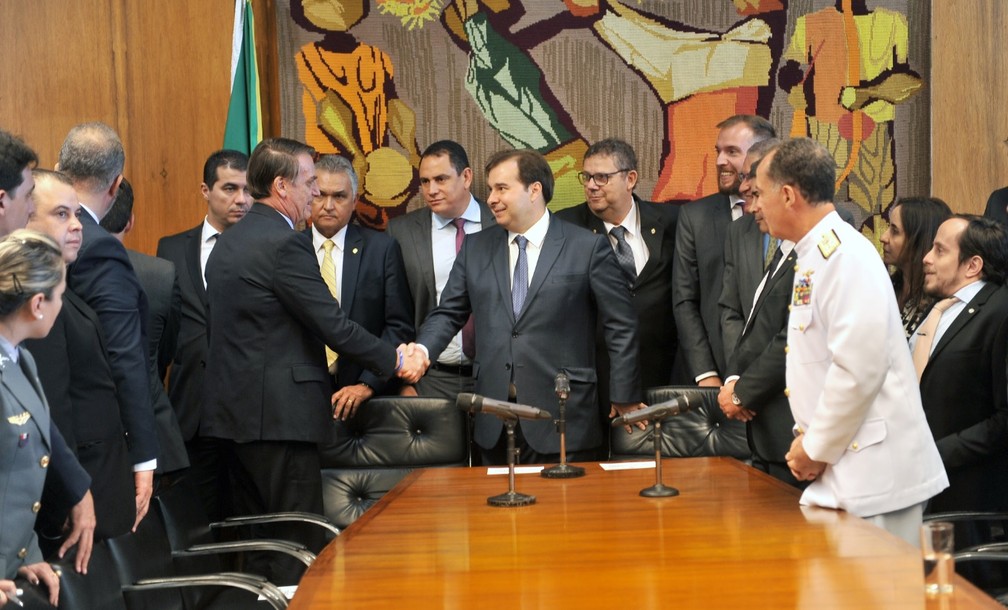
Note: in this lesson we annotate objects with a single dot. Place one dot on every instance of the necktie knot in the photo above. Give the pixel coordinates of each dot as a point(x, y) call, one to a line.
point(521, 241)
point(328, 245)
point(944, 304)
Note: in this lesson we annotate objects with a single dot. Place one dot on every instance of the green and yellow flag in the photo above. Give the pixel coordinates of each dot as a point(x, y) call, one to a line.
point(244, 120)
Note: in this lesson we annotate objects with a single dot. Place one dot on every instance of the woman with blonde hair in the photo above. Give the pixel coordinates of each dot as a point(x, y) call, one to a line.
point(32, 280)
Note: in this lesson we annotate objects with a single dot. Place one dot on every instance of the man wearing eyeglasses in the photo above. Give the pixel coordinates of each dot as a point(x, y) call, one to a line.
point(642, 235)
point(699, 259)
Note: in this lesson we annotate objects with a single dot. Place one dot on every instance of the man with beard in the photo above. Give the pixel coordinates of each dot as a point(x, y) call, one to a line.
point(699, 258)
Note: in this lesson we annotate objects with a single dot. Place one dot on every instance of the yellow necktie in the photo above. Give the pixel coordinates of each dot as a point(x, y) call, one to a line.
point(329, 277)
point(926, 332)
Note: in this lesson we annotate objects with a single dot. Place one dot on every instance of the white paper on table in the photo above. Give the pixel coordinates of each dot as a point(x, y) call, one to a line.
point(627, 465)
point(518, 470)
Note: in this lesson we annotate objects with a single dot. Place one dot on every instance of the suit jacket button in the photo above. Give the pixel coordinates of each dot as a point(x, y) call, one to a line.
point(507, 366)
point(514, 335)
point(44, 462)
point(36, 507)
point(22, 553)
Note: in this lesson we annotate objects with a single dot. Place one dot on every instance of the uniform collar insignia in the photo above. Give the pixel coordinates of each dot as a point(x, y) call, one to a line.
point(20, 419)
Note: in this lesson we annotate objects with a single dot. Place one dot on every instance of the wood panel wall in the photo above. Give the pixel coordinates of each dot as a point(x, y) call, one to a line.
point(969, 79)
point(157, 72)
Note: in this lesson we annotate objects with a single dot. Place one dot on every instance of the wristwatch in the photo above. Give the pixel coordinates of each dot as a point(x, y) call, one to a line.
point(735, 400)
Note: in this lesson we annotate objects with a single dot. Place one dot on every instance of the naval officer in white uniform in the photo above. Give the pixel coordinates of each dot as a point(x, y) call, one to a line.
point(860, 432)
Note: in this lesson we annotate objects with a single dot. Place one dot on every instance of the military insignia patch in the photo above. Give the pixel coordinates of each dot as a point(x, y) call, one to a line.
point(829, 243)
point(19, 419)
point(803, 289)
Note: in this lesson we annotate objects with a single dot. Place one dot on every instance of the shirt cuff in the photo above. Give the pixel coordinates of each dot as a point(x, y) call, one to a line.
point(143, 466)
point(732, 378)
point(706, 375)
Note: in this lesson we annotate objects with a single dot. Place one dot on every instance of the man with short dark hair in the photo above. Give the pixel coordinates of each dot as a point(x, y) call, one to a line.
point(430, 238)
point(538, 288)
point(225, 190)
point(364, 270)
point(267, 391)
point(860, 434)
point(699, 260)
point(643, 236)
point(92, 157)
point(961, 350)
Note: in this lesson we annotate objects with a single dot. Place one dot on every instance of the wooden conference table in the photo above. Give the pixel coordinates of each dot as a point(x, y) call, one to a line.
point(734, 538)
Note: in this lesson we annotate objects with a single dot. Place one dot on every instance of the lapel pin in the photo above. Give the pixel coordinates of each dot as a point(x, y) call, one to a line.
point(355, 250)
point(971, 310)
point(653, 231)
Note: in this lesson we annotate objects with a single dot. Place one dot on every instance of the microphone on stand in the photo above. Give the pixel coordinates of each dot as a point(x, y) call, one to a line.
point(474, 403)
point(656, 412)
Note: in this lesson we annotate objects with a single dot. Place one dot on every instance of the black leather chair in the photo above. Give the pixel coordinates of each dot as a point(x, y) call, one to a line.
point(387, 438)
point(703, 431)
point(144, 563)
point(981, 548)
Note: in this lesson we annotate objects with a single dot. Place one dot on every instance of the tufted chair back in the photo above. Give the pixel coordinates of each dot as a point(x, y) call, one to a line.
point(701, 432)
point(388, 437)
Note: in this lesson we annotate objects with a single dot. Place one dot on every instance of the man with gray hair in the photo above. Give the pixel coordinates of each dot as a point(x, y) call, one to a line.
point(92, 157)
point(861, 437)
point(364, 272)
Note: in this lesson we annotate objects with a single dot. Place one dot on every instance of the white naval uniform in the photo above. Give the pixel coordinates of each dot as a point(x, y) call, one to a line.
point(851, 380)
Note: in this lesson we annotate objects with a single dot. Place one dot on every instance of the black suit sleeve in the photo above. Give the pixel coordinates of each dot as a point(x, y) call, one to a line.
point(730, 303)
point(69, 481)
point(168, 344)
point(105, 280)
point(618, 321)
point(299, 287)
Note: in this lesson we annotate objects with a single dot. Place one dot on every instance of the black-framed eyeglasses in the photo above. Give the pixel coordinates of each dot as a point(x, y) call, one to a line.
point(600, 179)
point(744, 176)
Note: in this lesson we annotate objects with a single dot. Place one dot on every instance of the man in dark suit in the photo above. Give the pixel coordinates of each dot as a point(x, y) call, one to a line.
point(69, 481)
point(157, 277)
point(225, 189)
point(699, 258)
point(960, 354)
point(92, 157)
point(267, 389)
point(755, 374)
point(997, 206)
point(367, 275)
point(77, 378)
point(429, 239)
point(647, 234)
point(538, 288)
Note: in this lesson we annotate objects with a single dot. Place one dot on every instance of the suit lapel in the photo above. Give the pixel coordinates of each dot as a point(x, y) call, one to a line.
point(752, 253)
point(779, 273)
point(353, 247)
point(193, 249)
point(500, 263)
point(24, 388)
point(966, 315)
point(551, 247)
point(653, 235)
point(423, 253)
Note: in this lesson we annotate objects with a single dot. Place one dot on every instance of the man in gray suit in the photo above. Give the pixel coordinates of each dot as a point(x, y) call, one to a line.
point(537, 288)
point(429, 239)
point(699, 260)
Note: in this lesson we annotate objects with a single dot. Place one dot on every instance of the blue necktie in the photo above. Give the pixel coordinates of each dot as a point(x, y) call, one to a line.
point(519, 287)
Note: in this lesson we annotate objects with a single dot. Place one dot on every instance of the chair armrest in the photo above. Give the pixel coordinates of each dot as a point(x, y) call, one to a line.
point(297, 551)
point(966, 516)
point(300, 517)
point(273, 596)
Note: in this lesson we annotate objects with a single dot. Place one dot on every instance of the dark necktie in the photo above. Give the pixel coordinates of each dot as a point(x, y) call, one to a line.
point(469, 330)
point(519, 286)
point(624, 254)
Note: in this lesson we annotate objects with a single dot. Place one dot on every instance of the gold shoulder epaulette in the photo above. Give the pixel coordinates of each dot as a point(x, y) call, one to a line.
point(829, 243)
